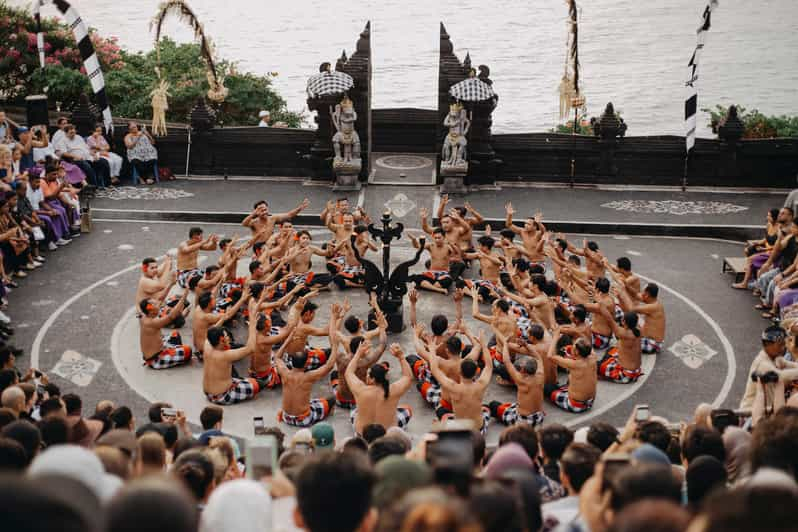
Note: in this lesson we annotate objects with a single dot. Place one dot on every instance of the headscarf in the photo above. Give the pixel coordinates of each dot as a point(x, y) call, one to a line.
point(510, 457)
point(396, 475)
point(76, 463)
point(241, 505)
point(738, 446)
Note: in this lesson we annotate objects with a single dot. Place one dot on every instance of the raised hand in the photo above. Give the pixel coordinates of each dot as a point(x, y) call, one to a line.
point(457, 296)
point(508, 208)
point(396, 350)
point(423, 212)
point(305, 204)
point(412, 295)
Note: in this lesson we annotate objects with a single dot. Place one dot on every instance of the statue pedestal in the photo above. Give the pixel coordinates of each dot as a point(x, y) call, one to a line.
point(454, 178)
point(346, 175)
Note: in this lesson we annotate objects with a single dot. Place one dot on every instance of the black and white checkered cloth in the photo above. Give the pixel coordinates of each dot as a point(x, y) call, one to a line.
point(90, 61)
point(472, 90)
point(329, 83)
point(691, 103)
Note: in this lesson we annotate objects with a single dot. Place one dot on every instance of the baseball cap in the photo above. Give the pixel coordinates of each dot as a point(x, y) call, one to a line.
point(22, 129)
point(323, 435)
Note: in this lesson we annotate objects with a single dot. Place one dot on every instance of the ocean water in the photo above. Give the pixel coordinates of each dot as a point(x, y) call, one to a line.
point(633, 53)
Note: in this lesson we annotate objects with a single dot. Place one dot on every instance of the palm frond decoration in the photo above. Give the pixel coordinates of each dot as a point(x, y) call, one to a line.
point(569, 89)
point(217, 91)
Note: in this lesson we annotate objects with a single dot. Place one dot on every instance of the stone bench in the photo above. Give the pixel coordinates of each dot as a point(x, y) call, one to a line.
point(735, 265)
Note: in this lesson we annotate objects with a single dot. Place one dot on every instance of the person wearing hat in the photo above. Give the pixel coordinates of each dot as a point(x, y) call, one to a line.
point(264, 116)
point(323, 436)
point(769, 372)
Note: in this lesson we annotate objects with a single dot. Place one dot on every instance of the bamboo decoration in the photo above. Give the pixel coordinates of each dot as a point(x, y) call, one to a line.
point(217, 92)
point(569, 89)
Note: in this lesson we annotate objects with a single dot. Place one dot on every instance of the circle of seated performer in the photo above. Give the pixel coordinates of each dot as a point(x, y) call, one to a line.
point(578, 394)
point(442, 253)
point(621, 363)
point(377, 399)
point(188, 251)
point(162, 352)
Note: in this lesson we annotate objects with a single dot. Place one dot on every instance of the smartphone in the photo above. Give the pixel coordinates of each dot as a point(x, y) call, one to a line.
point(613, 464)
point(258, 427)
point(452, 458)
point(37, 373)
point(261, 456)
point(642, 413)
point(169, 412)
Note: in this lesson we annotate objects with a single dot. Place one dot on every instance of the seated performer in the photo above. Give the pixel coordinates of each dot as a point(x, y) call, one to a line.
point(653, 323)
point(377, 399)
point(528, 407)
point(205, 316)
point(187, 253)
point(578, 394)
point(457, 234)
point(261, 364)
point(532, 235)
point(300, 263)
point(437, 278)
point(343, 395)
point(430, 388)
point(347, 270)
point(162, 352)
point(298, 408)
point(601, 327)
point(621, 363)
point(468, 393)
point(298, 342)
point(489, 265)
point(262, 223)
point(155, 280)
point(217, 368)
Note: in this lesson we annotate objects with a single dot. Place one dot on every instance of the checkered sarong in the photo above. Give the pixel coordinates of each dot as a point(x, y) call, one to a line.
point(316, 358)
point(228, 289)
point(562, 400)
point(340, 400)
point(650, 346)
point(508, 415)
point(174, 353)
point(317, 411)
point(471, 90)
point(618, 314)
point(298, 278)
point(481, 283)
point(270, 377)
point(434, 276)
point(403, 416)
point(600, 341)
point(609, 367)
point(183, 276)
point(329, 82)
point(239, 390)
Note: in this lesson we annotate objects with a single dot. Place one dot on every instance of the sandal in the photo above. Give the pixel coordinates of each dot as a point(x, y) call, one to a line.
point(768, 315)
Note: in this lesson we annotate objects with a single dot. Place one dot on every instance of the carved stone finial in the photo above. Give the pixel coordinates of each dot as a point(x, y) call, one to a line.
point(446, 46)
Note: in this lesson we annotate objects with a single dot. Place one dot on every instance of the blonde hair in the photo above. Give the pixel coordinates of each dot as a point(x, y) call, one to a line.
point(5, 153)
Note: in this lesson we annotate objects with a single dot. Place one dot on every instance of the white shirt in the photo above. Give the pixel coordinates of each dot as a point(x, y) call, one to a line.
point(58, 135)
point(75, 146)
point(263, 124)
point(40, 154)
point(35, 197)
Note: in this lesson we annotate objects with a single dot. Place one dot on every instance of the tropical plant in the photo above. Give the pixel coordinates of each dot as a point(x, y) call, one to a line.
point(757, 125)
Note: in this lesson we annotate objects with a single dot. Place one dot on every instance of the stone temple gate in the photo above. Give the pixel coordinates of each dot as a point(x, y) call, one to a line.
point(403, 146)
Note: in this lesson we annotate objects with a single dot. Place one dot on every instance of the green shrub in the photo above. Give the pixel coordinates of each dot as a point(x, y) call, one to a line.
point(757, 125)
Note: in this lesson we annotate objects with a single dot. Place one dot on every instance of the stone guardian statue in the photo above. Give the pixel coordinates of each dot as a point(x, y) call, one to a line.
point(454, 158)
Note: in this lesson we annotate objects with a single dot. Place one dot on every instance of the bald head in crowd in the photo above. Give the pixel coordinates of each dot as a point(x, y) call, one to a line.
point(14, 398)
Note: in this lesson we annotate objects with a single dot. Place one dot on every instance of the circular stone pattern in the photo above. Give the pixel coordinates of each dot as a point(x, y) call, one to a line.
point(403, 162)
point(678, 208)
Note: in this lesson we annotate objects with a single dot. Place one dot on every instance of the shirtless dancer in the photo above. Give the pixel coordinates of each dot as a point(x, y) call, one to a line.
point(578, 394)
point(298, 342)
point(167, 351)
point(155, 281)
point(430, 388)
point(262, 223)
point(468, 393)
point(455, 235)
point(601, 327)
point(621, 363)
point(187, 253)
point(298, 408)
point(377, 399)
point(532, 235)
point(653, 326)
point(539, 305)
point(437, 278)
point(217, 384)
point(205, 316)
point(340, 387)
point(489, 265)
point(503, 324)
point(528, 407)
point(347, 270)
point(300, 264)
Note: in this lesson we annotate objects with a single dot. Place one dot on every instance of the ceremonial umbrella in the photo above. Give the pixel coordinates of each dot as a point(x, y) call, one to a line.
point(472, 90)
point(329, 83)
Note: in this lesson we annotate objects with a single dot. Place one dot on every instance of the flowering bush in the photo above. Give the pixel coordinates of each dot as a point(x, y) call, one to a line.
point(757, 125)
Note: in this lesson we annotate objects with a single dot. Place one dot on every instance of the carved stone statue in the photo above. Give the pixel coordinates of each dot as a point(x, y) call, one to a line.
point(454, 159)
point(346, 141)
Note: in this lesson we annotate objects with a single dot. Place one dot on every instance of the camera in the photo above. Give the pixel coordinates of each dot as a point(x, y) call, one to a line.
point(769, 377)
